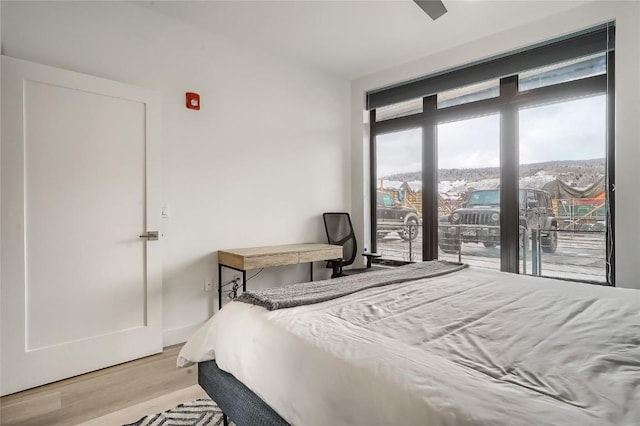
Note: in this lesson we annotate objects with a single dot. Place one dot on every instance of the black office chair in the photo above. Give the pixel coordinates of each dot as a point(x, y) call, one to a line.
point(340, 232)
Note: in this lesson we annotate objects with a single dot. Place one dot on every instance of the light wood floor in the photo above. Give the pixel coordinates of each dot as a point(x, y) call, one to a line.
point(114, 395)
point(156, 405)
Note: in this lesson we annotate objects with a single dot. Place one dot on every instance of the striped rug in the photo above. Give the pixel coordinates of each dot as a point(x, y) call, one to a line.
point(201, 412)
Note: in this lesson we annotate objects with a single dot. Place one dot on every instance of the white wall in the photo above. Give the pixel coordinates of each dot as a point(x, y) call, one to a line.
point(257, 165)
point(627, 17)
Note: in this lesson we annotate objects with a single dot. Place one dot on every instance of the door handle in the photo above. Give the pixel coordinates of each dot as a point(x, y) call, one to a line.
point(150, 236)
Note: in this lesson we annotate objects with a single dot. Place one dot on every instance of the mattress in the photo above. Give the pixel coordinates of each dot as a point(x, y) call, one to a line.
point(474, 347)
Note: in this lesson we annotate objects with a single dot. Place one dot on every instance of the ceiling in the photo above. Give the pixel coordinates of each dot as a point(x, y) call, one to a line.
point(351, 39)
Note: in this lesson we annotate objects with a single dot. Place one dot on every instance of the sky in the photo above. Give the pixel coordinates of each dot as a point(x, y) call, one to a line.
point(573, 130)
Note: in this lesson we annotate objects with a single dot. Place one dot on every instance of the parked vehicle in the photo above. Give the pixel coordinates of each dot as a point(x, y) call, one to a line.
point(478, 221)
point(394, 217)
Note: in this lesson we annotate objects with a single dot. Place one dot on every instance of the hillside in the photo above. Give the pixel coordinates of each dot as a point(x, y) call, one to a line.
point(580, 173)
point(453, 182)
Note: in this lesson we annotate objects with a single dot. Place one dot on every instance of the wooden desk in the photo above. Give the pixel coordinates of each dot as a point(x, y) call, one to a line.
point(243, 259)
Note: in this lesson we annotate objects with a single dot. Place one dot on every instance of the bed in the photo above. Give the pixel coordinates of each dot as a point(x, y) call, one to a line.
point(467, 347)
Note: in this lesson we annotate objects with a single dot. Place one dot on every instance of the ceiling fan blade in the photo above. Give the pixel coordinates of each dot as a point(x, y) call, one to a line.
point(433, 8)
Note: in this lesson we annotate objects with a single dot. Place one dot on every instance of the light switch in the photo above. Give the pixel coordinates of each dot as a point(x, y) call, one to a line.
point(166, 212)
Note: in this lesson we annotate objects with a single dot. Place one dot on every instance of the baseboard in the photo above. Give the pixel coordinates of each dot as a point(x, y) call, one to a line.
point(177, 335)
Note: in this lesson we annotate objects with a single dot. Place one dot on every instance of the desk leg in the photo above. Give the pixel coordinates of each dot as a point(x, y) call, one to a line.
point(311, 270)
point(219, 286)
point(244, 281)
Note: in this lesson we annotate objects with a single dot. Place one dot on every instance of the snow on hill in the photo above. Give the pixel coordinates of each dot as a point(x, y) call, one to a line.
point(454, 183)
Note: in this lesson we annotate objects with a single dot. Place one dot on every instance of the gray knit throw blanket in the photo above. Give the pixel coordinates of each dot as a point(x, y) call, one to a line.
point(321, 291)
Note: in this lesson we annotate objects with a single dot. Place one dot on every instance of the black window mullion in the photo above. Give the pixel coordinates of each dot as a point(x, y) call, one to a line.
point(509, 160)
point(429, 179)
point(373, 176)
point(610, 255)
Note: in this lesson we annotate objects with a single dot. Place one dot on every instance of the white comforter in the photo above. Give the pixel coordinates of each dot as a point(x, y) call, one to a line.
point(471, 348)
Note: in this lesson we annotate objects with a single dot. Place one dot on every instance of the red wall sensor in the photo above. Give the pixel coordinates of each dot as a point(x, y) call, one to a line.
point(193, 101)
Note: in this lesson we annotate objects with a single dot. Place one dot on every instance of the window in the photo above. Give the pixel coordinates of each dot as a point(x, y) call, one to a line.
point(468, 194)
point(401, 109)
point(563, 72)
point(512, 158)
point(474, 92)
point(397, 211)
point(562, 151)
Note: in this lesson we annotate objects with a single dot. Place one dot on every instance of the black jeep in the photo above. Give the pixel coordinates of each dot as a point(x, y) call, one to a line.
point(478, 221)
point(394, 217)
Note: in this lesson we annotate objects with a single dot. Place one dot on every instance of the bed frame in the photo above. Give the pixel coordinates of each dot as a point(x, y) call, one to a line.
point(236, 400)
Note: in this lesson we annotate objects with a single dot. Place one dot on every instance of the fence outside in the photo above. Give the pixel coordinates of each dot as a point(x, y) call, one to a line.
point(580, 254)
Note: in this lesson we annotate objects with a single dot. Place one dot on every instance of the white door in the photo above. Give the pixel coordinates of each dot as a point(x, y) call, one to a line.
point(80, 290)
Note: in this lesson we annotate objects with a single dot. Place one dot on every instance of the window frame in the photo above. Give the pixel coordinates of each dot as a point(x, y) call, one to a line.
point(507, 104)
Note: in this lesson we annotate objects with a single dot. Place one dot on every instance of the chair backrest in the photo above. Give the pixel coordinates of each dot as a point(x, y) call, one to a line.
point(340, 232)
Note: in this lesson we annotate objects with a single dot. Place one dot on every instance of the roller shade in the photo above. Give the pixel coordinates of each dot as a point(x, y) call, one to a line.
point(577, 45)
